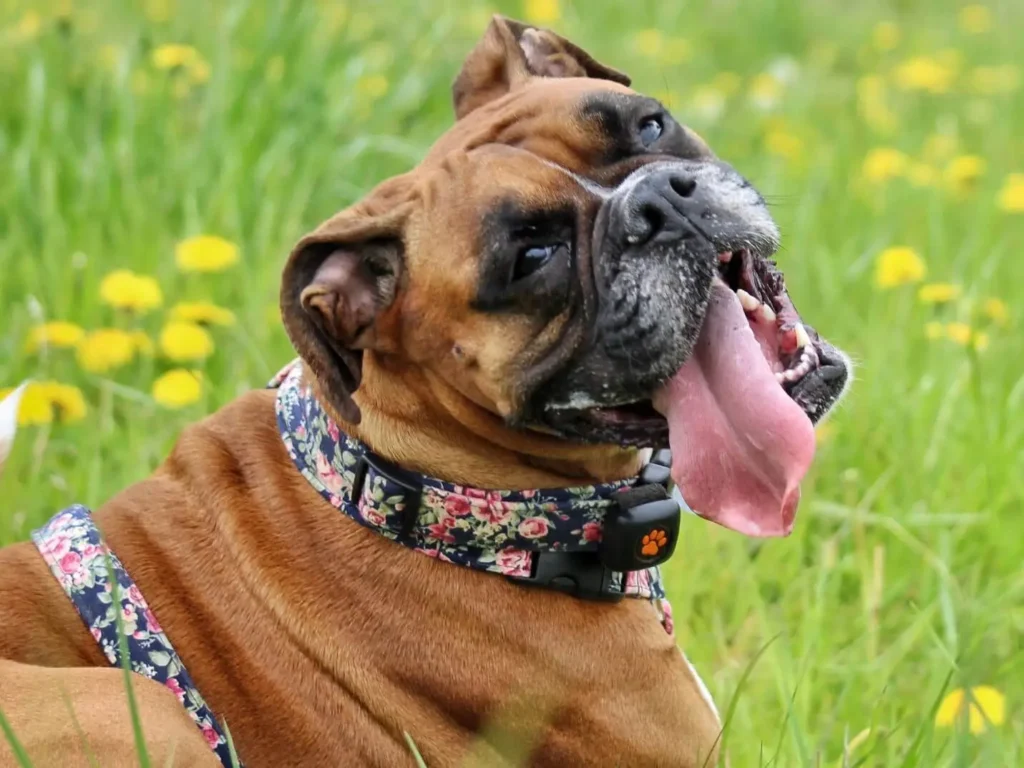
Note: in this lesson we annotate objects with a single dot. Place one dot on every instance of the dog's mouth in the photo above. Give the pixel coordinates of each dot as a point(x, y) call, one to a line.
point(739, 415)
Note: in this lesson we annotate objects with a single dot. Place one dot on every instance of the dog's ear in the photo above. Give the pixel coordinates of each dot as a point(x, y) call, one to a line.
point(337, 283)
point(9, 421)
point(512, 52)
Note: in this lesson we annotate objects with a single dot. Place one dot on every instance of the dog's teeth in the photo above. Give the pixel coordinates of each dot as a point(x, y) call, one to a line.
point(802, 339)
point(780, 376)
point(632, 239)
point(749, 302)
point(767, 314)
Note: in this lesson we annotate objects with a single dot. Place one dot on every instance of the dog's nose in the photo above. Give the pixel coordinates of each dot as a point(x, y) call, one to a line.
point(656, 209)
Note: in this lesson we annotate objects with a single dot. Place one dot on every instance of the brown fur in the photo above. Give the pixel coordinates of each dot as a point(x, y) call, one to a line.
point(316, 640)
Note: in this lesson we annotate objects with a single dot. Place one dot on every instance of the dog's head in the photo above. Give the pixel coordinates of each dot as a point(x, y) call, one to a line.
point(572, 259)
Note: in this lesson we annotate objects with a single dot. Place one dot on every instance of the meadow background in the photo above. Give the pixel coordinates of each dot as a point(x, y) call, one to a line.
point(888, 139)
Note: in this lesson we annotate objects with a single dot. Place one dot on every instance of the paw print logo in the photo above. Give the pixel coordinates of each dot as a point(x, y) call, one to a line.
point(653, 543)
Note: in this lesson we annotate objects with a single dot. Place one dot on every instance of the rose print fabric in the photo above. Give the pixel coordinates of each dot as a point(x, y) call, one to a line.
point(489, 530)
point(71, 545)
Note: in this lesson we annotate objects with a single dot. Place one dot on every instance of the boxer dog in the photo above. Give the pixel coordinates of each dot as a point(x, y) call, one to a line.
point(569, 278)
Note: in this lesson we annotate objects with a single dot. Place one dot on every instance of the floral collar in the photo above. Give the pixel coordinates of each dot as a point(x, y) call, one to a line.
point(553, 538)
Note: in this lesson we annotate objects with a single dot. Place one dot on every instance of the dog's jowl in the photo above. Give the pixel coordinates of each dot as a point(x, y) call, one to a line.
point(569, 285)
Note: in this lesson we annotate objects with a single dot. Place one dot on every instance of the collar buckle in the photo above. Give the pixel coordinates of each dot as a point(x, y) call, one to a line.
point(408, 481)
point(644, 530)
point(641, 533)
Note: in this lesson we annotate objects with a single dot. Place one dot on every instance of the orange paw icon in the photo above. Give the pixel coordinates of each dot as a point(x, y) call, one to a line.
point(653, 542)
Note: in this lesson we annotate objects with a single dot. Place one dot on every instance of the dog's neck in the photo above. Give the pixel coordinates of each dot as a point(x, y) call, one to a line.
point(420, 422)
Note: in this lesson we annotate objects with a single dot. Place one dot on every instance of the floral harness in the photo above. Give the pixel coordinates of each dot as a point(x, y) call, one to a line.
point(599, 542)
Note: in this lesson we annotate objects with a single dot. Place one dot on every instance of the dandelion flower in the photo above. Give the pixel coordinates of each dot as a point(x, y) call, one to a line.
point(67, 399)
point(205, 253)
point(765, 90)
point(934, 330)
point(371, 88)
point(899, 265)
point(106, 349)
point(963, 173)
point(143, 344)
point(181, 341)
point(939, 146)
point(975, 19)
point(996, 310)
point(178, 388)
point(184, 58)
point(886, 35)
point(884, 163)
point(202, 313)
point(924, 73)
point(980, 341)
point(784, 144)
point(542, 11)
point(123, 289)
point(1011, 196)
point(42, 401)
point(939, 293)
point(959, 332)
point(54, 334)
point(986, 707)
point(873, 106)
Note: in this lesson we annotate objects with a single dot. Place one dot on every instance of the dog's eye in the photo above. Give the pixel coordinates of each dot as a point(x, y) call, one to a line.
point(533, 257)
point(650, 131)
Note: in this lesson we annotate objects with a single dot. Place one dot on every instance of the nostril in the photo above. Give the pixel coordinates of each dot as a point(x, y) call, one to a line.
point(683, 186)
point(654, 216)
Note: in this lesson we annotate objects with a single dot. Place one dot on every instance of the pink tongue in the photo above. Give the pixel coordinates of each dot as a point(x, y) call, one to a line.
point(740, 445)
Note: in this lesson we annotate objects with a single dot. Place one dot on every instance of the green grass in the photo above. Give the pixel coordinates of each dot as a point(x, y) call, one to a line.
point(904, 571)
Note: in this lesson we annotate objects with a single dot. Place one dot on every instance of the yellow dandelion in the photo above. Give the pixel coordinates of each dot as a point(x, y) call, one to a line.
point(959, 332)
point(886, 35)
point(648, 42)
point(181, 341)
point(765, 90)
point(727, 83)
point(173, 56)
point(873, 106)
point(963, 173)
point(35, 407)
point(178, 388)
point(899, 265)
point(28, 27)
point(205, 253)
point(934, 330)
point(106, 349)
point(542, 11)
point(924, 73)
point(975, 19)
point(202, 313)
point(992, 80)
point(996, 310)
point(57, 333)
point(784, 144)
point(123, 289)
point(987, 706)
point(181, 58)
point(939, 293)
point(1011, 196)
point(922, 175)
point(884, 163)
point(371, 88)
point(980, 341)
point(708, 103)
point(67, 399)
point(42, 401)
